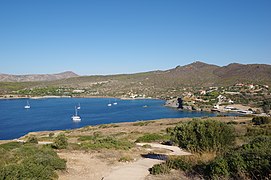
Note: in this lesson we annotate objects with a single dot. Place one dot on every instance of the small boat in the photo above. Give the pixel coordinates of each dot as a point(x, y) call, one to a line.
point(78, 107)
point(27, 106)
point(115, 102)
point(76, 117)
point(109, 103)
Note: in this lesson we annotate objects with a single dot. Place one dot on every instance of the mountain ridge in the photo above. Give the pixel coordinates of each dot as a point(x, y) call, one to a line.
point(194, 74)
point(36, 77)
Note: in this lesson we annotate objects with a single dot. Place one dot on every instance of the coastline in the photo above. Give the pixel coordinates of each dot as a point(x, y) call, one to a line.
point(126, 124)
point(10, 97)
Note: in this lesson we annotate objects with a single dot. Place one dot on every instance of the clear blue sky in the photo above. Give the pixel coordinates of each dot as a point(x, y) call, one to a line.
point(113, 36)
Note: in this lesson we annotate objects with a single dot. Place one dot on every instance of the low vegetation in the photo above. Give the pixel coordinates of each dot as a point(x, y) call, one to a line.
point(60, 142)
point(259, 120)
point(199, 136)
point(142, 123)
point(29, 161)
point(225, 160)
point(154, 137)
point(103, 142)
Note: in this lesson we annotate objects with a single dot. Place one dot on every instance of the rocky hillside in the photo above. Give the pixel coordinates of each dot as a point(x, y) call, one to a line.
point(154, 83)
point(36, 77)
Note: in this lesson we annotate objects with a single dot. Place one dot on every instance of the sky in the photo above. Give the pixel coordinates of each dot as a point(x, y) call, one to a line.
point(126, 36)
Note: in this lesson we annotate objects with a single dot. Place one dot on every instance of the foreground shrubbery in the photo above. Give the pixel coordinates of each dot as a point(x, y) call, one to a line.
point(258, 120)
point(60, 142)
point(173, 163)
point(29, 161)
point(207, 135)
point(252, 160)
point(249, 161)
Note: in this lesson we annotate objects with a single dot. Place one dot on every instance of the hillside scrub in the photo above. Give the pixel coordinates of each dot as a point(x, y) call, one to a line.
point(60, 142)
point(250, 161)
point(29, 161)
point(203, 135)
point(104, 142)
point(259, 120)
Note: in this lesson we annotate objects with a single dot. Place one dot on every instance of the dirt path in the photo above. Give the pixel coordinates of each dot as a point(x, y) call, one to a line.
point(174, 149)
point(83, 166)
point(134, 171)
point(140, 169)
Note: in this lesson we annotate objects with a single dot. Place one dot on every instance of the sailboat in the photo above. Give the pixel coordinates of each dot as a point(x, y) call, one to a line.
point(115, 103)
point(27, 106)
point(78, 107)
point(76, 117)
point(109, 104)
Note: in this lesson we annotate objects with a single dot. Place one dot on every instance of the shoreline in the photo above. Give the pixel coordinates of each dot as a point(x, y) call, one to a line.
point(52, 97)
point(171, 120)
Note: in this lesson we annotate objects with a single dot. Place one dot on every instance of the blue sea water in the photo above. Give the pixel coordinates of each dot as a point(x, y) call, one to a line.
point(55, 114)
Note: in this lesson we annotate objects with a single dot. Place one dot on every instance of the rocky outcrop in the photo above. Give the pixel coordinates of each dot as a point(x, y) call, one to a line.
point(175, 103)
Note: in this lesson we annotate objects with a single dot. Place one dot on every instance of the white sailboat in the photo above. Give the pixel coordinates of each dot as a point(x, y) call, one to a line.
point(109, 104)
point(76, 117)
point(27, 106)
point(78, 107)
point(115, 103)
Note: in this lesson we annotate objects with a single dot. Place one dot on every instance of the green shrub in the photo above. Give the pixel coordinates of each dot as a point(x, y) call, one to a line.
point(11, 145)
point(259, 130)
point(60, 142)
point(172, 163)
point(250, 161)
point(218, 168)
point(51, 134)
point(160, 169)
point(258, 120)
point(29, 161)
point(203, 135)
point(32, 139)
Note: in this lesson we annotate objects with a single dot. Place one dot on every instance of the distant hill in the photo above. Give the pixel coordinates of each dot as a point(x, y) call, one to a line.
point(36, 77)
point(154, 83)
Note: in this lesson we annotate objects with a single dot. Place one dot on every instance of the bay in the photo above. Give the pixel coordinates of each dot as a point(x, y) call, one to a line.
point(55, 113)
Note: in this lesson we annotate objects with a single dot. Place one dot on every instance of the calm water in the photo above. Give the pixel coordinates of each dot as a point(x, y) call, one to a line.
point(55, 114)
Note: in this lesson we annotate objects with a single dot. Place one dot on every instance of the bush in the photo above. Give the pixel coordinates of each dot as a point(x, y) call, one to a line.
point(201, 135)
point(252, 160)
point(218, 168)
point(60, 142)
point(32, 139)
point(258, 120)
point(29, 161)
point(160, 169)
point(259, 130)
point(173, 163)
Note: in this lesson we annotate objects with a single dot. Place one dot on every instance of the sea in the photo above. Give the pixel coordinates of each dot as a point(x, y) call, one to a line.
point(55, 113)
